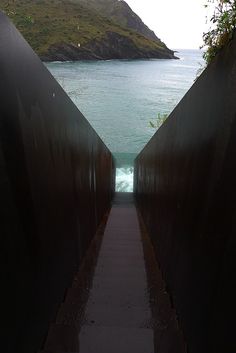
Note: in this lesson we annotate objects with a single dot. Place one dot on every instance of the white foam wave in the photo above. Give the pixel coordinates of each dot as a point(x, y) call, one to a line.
point(124, 179)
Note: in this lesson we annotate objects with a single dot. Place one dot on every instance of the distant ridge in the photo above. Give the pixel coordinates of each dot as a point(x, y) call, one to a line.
point(84, 30)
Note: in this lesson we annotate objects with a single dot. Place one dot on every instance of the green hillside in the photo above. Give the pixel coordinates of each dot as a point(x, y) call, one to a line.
point(120, 12)
point(68, 30)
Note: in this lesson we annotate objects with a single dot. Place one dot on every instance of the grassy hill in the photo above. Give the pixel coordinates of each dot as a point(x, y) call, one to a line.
point(120, 12)
point(71, 30)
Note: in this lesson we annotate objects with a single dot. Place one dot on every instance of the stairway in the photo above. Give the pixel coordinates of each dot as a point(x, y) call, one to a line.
point(119, 305)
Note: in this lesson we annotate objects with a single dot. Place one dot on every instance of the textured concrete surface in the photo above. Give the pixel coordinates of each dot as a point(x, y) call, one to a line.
point(117, 315)
point(118, 302)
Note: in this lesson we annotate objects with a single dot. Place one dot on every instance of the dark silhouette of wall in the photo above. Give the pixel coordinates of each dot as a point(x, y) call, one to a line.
point(56, 183)
point(186, 191)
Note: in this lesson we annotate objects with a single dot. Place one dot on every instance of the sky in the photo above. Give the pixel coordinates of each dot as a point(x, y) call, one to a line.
point(178, 23)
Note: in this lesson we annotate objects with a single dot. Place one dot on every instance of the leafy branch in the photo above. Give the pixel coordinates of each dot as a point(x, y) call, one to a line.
point(224, 24)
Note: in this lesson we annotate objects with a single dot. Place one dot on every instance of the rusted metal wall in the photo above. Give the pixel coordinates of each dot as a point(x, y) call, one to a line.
point(185, 185)
point(56, 183)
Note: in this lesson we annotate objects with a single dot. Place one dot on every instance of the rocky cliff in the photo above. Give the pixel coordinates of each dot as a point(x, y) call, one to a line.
point(112, 46)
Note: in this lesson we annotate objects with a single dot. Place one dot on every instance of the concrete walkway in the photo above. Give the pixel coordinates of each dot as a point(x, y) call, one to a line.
point(118, 313)
point(120, 305)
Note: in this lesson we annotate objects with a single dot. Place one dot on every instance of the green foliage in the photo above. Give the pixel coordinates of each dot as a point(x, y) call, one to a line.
point(161, 118)
point(223, 25)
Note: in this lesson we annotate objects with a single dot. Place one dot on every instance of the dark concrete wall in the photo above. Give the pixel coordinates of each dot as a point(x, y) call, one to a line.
point(185, 184)
point(56, 183)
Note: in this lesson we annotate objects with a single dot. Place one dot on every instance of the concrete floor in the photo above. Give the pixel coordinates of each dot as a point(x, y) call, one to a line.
point(118, 302)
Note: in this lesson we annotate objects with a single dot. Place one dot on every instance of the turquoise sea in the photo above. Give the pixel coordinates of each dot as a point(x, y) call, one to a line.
point(120, 97)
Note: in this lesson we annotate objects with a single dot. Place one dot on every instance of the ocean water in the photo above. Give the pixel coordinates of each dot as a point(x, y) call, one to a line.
point(120, 97)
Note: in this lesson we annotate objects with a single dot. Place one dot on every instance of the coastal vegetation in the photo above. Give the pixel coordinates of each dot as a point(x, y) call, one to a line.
point(161, 118)
point(223, 24)
point(80, 29)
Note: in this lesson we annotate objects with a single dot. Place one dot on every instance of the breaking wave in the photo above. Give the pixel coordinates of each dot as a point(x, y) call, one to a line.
point(124, 179)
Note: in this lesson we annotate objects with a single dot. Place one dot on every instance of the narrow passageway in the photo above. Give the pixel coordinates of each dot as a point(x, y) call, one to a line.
point(123, 307)
point(117, 316)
